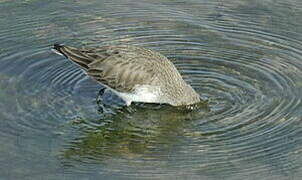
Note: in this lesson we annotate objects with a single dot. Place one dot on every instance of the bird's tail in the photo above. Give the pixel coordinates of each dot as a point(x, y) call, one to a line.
point(78, 56)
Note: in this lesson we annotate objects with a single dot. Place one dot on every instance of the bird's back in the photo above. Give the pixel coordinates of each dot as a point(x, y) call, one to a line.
point(123, 67)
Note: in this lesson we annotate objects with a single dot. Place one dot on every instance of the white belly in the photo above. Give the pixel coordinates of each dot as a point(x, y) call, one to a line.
point(143, 93)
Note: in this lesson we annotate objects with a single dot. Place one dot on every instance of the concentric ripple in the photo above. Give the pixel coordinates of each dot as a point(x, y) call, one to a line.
point(243, 58)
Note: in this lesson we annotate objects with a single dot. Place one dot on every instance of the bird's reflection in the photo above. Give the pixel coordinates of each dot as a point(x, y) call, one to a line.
point(132, 131)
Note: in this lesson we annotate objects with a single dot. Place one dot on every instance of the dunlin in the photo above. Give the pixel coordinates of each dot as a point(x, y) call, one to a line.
point(134, 73)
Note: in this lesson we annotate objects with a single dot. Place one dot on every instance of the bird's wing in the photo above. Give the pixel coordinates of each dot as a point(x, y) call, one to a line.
point(113, 67)
point(120, 73)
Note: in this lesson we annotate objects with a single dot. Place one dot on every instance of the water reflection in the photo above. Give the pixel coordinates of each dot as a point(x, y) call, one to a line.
point(140, 130)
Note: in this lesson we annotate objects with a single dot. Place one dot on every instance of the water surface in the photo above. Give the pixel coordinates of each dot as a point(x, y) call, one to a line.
point(244, 57)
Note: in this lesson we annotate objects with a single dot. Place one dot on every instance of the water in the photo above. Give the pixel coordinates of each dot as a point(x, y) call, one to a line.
point(243, 56)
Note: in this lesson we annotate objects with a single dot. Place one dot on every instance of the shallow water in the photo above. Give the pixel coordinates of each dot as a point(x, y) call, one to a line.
point(243, 56)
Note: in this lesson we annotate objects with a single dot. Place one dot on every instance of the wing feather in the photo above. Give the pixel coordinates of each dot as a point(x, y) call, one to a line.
point(115, 67)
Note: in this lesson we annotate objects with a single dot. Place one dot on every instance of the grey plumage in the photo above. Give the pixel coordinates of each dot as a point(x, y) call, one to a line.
point(134, 73)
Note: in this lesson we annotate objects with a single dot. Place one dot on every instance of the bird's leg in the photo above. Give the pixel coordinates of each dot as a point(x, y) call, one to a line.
point(100, 94)
point(99, 99)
